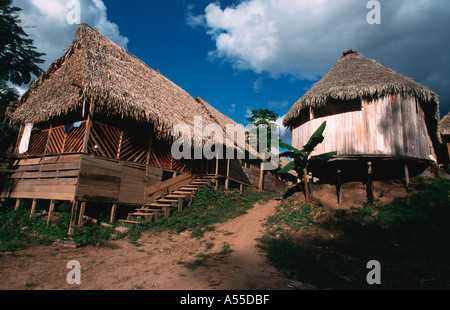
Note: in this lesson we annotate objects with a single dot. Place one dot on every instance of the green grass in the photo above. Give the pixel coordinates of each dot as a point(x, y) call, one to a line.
point(409, 237)
point(17, 230)
point(209, 207)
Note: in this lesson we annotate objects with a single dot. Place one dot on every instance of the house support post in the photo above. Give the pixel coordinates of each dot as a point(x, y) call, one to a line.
point(73, 218)
point(339, 186)
point(18, 202)
point(50, 212)
point(88, 128)
point(81, 216)
point(227, 181)
point(369, 182)
point(406, 176)
point(33, 208)
point(112, 219)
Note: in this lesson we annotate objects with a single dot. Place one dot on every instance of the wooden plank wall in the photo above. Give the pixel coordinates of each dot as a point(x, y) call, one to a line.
point(388, 126)
point(110, 181)
point(50, 177)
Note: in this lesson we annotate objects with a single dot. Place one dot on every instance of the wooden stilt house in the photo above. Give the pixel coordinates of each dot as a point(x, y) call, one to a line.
point(376, 118)
point(96, 128)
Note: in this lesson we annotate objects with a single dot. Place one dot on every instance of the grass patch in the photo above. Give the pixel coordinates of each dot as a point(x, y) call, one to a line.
point(211, 207)
point(409, 237)
point(18, 230)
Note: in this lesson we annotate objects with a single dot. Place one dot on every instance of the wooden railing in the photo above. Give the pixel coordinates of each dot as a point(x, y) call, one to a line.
point(166, 187)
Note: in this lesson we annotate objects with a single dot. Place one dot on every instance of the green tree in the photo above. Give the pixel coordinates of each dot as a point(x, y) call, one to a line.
point(301, 159)
point(257, 118)
point(18, 57)
point(18, 62)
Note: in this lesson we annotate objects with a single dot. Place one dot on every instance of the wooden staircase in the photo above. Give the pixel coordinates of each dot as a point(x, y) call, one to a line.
point(175, 199)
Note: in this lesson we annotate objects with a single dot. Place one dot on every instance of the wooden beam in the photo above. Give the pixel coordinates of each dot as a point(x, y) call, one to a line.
point(227, 180)
point(369, 182)
point(339, 186)
point(17, 206)
point(407, 176)
point(50, 212)
point(48, 139)
point(73, 218)
point(33, 208)
point(88, 127)
point(261, 178)
point(112, 219)
point(81, 216)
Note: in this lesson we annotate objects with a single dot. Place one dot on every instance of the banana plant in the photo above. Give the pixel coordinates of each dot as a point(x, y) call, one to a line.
point(301, 159)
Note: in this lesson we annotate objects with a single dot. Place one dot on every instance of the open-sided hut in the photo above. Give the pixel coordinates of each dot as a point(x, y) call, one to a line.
point(97, 127)
point(373, 114)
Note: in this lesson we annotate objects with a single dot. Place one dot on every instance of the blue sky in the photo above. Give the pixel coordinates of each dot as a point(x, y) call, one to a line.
point(243, 55)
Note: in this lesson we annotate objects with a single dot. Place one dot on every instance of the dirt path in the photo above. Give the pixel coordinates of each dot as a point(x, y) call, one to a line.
point(159, 263)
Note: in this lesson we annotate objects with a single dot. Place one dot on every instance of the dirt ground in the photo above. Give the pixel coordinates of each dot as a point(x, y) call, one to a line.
point(159, 262)
point(156, 263)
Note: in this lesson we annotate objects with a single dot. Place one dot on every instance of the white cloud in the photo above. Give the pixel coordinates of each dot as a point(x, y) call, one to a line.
point(304, 38)
point(46, 24)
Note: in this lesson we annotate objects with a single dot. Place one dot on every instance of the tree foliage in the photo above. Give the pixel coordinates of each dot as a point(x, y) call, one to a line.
point(18, 57)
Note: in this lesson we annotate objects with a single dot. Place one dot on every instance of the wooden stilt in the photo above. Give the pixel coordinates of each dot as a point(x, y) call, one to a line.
point(73, 218)
point(50, 212)
point(33, 208)
point(112, 219)
point(227, 181)
point(18, 202)
point(306, 183)
point(80, 218)
point(369, 183)
point(339, 186)
point(261, 178)
point(407, 176)
point(88, 128)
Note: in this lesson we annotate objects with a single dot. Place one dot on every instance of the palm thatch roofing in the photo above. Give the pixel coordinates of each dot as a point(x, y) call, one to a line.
point(96, 70)
point(445, 125)
point(357, 77)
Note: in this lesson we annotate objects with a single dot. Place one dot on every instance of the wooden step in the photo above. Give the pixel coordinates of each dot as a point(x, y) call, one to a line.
point(129, 222)
point(175, 196)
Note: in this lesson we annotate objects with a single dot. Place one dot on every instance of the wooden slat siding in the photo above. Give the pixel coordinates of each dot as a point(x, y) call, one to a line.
point(56, 140)
point(134, 148)
point(132, 185)
point(38, 140)
point(52, 177)
point(99, 180)
point(74, 139)
point(388, 126)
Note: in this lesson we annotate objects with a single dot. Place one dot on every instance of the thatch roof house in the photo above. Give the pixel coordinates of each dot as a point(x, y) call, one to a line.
point(371, 112)
point(97, 127)
point(94, 70)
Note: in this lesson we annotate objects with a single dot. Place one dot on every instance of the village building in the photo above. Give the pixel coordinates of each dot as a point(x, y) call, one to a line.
point(96, 129)
point(378, 121)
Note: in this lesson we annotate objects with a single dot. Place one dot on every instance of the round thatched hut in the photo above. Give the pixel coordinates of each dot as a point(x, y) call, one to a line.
point(373, 115)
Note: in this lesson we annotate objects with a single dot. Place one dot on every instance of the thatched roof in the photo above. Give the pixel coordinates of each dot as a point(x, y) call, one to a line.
point(445, 125)
point(357, 77)
point(94, 69)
